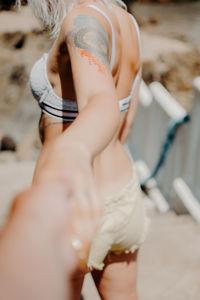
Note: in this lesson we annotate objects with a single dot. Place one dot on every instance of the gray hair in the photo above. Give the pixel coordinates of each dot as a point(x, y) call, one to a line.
point(51, 13)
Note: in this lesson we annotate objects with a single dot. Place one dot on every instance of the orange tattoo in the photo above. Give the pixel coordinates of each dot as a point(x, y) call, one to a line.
point(93, 60)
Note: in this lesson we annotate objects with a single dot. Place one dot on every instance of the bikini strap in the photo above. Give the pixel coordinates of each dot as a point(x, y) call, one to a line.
point(124, 103)
point(138, 34)
point(112, 31)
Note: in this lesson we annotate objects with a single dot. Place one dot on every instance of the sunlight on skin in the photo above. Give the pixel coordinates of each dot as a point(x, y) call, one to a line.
point(91, 39)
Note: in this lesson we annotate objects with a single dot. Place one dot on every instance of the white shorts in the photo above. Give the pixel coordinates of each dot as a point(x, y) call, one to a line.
point(124, 224)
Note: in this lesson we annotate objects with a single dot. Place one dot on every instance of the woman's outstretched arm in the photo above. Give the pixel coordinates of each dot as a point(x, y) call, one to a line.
point(88, 41)
point(88, 44)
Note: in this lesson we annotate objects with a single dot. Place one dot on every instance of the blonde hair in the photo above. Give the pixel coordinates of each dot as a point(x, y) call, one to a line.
point(52, 12)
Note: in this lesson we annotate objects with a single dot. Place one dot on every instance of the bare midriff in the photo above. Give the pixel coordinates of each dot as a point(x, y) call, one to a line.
point(112, 169)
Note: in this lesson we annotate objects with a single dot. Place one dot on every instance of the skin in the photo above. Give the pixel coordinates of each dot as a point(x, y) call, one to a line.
point(36, 255)
point(92, 39)
point(91, 147)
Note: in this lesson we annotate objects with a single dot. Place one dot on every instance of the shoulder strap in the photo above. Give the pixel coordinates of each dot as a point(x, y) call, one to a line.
point(138, 33)
point(112, 31)
point(124, 103)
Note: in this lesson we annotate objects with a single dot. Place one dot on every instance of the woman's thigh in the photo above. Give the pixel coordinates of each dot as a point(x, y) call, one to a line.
point(118, 278)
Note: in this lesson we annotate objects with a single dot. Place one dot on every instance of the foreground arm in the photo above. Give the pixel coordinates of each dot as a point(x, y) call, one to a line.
point(36, 256)
point(31, 259)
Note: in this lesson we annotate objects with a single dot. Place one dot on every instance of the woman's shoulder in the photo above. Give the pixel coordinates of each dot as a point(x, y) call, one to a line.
point(104, 14)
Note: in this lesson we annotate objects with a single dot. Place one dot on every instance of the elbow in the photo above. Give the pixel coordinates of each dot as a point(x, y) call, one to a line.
point(108, 107)
point(114, 112)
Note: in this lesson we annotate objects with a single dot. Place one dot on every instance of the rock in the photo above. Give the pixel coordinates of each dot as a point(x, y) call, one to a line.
point(155, 71)
point(18, 75)
point(22, 42)
point(154, 20)
point(14, 40)
point(6, 5)
point(173, 63)
point(7, 144)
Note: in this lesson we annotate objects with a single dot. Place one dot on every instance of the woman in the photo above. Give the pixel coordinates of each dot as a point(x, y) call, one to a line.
point(94, 61)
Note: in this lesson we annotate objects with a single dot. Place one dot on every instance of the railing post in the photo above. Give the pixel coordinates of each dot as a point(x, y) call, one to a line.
point(192, 172)
point(168, 109)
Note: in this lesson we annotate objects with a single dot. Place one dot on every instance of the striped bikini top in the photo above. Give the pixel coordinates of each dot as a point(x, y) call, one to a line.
point(66, 109)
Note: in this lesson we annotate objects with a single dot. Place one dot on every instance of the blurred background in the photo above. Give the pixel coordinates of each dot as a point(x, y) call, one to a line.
point(171, 55)
point(165, 140)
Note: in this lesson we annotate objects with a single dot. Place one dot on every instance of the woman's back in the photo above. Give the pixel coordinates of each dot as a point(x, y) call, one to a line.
point(111, 165)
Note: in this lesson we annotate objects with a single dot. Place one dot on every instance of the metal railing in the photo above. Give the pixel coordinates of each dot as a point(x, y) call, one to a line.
point(163, 138)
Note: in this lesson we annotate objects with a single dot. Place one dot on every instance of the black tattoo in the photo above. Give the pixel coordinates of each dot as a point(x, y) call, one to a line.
point(49, 123)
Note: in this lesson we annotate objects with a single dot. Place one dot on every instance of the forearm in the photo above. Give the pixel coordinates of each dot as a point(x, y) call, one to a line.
point(95, 126)
point(33, 256)
point(31, 267)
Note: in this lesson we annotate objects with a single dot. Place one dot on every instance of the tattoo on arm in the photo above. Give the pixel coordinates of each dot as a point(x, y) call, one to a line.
point(47, 121)
point(91, 39)
point(50, 123)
